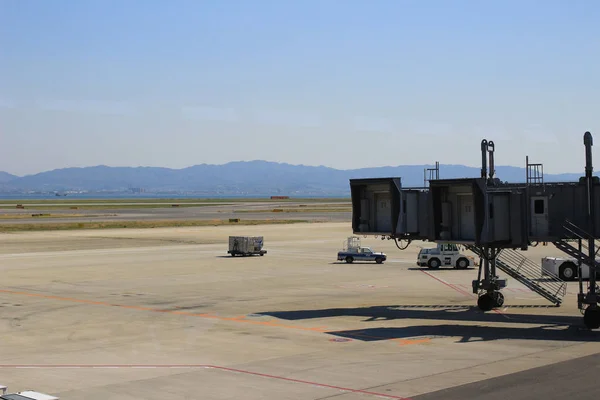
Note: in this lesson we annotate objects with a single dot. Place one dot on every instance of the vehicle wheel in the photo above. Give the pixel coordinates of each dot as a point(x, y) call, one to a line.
point(379, 260)
point(591, 317)
point(261, 254)
point(485, 302)
point(462, 263)
point(498, 299)
point(349, 260)
point(567, 271)
point(433, 263)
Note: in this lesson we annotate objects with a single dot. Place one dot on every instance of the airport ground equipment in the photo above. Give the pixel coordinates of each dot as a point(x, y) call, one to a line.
point(494, 219)
point(567, 268)
point(246, 246)
point(26, 395)
point(353, 251)
point(444, 254)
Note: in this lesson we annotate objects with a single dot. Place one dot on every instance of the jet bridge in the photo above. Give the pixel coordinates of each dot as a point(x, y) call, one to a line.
point(375, 205)
point(489, 217)
point(381, 207)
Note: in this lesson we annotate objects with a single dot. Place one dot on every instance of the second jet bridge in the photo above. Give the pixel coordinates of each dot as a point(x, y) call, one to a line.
point(459, 208)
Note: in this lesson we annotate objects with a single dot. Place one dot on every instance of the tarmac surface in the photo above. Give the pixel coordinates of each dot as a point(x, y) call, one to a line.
point(565, 380)
point(201, 211)
point(166, 313)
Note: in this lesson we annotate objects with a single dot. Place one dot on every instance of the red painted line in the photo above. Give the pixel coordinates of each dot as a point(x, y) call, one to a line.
point(447, 284)
point(388, 396)
point(461, 291)
point(207, 366)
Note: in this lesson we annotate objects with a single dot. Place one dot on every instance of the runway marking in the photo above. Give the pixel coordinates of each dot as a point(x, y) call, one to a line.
point(201, 366)
point(447, 284)
point(239, 319)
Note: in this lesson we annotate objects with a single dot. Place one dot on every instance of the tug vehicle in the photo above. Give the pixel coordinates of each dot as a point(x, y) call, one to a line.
point(444, 254)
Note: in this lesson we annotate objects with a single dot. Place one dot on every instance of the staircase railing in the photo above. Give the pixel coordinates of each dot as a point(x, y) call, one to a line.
point(575, 232)
point(521, 268)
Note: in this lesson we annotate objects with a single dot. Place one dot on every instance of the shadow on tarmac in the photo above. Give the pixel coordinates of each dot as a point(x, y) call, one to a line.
point(546, 327)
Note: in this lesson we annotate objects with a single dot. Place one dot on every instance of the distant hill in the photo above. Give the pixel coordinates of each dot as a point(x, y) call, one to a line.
point(241, 178)
point(6, 177)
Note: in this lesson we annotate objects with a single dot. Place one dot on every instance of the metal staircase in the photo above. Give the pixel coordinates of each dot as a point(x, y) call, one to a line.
point(573, 232)
point(518, 267)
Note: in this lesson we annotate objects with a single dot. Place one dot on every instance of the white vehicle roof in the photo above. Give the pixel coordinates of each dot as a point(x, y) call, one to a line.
point(28, 395)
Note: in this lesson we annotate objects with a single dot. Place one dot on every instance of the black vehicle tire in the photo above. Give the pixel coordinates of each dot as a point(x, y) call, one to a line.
point(349, 259)
point(462, 263)
point(591, 317)
point(379, 260)
point(567, 271)
point(434, 263)
point(485, 302)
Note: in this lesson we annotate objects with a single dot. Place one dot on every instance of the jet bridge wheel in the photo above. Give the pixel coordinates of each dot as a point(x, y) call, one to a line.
point(498, 299)
point(591, 317)
point(488, 301)
point(485, 302)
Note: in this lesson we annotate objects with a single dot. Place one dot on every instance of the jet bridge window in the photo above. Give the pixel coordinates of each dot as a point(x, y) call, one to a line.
point(538, 206)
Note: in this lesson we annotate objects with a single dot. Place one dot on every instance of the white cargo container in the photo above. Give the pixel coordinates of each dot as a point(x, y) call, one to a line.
point(246, 245)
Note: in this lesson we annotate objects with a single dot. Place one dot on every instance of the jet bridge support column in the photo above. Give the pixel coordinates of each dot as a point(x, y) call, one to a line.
point(591, 316)
point(489, 287)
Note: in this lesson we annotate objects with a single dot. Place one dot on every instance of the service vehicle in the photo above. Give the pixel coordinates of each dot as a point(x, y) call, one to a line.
point(565, 268)
point(246, 246)
point(353, 251)
point(444, 254)
point(26, 395)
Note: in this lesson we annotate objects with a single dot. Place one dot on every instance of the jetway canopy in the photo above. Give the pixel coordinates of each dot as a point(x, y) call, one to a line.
point(455, 210)
point(375, 205)
point(460, 207)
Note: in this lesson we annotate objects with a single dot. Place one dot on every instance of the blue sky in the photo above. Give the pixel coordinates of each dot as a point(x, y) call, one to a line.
point(346, 84)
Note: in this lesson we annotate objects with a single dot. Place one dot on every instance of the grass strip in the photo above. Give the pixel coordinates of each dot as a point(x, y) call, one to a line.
point(296, 210)
point(6, 228)
point(106, 206)
point(13, 202)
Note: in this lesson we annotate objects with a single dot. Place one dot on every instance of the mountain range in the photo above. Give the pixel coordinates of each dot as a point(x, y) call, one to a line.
point(241, 178)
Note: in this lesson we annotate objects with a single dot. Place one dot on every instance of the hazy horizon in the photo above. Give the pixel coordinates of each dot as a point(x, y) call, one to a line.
point(428, 165)
point(344, 84)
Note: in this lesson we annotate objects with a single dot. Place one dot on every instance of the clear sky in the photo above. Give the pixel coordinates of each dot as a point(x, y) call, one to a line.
point(342, 83)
